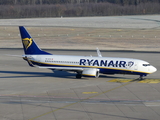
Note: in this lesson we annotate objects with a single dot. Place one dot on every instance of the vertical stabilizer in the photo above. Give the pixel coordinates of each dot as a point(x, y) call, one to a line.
point(30, 47)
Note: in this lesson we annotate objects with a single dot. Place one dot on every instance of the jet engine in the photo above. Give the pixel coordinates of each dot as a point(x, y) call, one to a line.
point(91, 72)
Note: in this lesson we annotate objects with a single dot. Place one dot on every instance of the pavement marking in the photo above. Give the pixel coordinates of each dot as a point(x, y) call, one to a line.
point(150, 81)
point(81, 100)
point(139, 81)
point(121, 80)
point(151, 104)
point(89, 92)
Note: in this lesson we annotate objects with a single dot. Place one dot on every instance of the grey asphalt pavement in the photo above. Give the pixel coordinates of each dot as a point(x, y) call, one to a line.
point(28, 93)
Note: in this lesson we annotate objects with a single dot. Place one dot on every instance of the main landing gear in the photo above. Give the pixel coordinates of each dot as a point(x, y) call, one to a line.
point(79, 76)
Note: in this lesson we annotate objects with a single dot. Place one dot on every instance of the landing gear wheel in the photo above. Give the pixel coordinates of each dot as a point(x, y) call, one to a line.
point(141, 77)
point(79, 76)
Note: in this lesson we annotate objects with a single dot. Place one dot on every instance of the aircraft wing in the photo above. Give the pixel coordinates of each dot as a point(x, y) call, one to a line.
point(99, 53)
point(65, 68)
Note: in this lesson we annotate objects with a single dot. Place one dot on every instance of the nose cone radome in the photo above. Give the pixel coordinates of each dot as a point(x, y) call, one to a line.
point(153, 69)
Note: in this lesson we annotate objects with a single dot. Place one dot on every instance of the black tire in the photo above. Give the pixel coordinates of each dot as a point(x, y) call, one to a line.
point(79, 76)
point(97, 74)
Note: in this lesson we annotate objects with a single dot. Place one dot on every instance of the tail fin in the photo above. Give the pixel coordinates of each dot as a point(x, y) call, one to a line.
point(29, 45)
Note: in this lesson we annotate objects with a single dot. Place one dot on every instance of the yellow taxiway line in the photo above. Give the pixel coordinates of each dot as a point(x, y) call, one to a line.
point(139, 81)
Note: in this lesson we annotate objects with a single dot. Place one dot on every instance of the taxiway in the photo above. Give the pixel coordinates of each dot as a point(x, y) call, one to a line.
point(28, 93)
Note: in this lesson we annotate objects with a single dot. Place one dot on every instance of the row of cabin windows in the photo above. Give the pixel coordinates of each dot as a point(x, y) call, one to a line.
point(63, 62)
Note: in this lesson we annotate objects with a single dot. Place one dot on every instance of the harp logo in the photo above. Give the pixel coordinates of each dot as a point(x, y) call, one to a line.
point(130, 63)
point(27, 42)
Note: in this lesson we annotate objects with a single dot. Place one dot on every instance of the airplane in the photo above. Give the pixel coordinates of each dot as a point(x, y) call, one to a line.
point(84, 66)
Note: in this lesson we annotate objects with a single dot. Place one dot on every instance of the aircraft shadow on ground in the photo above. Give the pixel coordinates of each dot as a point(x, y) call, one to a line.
point(20, 74)
point(58, 74)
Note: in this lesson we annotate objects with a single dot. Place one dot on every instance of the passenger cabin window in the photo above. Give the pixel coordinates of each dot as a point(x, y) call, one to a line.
point(73, 62)
point(146, 65)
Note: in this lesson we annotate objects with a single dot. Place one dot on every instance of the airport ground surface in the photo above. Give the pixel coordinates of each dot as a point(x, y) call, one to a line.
point(108, 33)
point(28, 93)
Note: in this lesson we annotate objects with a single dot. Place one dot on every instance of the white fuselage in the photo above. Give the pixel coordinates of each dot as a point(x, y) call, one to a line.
point(106, 65)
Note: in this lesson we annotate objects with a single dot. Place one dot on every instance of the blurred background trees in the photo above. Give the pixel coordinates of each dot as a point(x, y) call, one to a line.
point(33, 2)
point(68, 8)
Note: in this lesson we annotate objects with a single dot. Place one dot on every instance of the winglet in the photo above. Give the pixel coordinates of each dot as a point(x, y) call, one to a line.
point(29, 45)
point(98, 53)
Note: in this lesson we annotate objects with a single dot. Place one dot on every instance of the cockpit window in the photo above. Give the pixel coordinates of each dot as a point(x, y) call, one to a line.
point(146, 65)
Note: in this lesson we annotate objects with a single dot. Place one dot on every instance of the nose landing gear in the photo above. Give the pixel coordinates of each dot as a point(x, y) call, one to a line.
point(141, 77)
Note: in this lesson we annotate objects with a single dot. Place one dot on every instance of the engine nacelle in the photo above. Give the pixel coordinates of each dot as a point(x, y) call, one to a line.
point(91, 72)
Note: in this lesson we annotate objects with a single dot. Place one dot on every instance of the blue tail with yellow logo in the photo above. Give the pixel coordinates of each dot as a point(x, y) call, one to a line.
point(30, 47)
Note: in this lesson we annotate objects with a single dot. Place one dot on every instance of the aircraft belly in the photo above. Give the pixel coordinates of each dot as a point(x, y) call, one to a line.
point(114, 71)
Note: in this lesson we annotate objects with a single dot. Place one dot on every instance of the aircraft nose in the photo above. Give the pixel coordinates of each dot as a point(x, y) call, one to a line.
point(153, 69)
